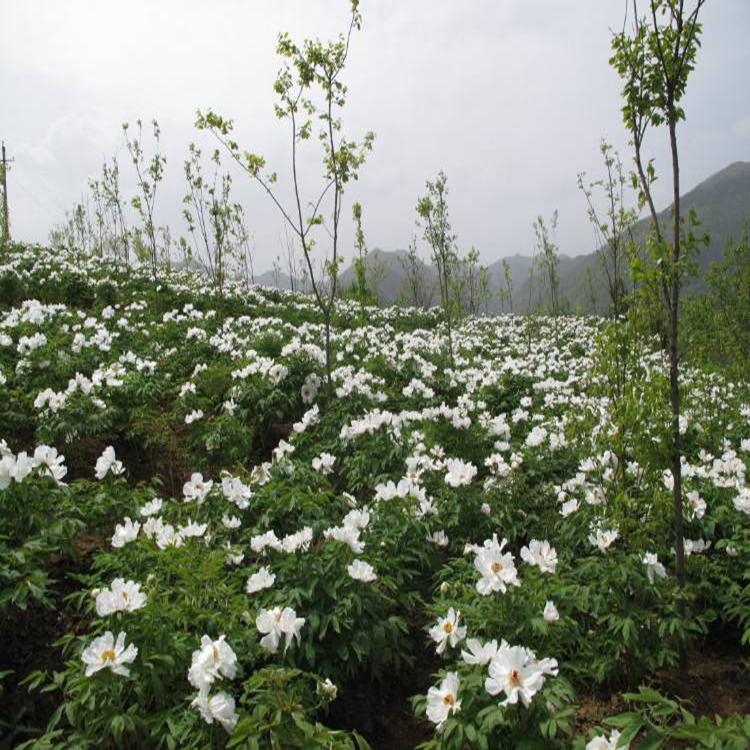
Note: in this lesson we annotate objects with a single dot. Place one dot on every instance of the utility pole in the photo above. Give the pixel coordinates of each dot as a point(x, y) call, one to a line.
point(5, 236)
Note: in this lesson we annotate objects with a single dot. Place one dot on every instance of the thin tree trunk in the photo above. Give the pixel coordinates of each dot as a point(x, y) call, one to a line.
point(329, 383)
point(674, 384)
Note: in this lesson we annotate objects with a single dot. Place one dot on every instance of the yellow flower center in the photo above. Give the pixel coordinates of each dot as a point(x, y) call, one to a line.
point(449, 699)
point(108, 655)
point(496, 566)
point(448, 628)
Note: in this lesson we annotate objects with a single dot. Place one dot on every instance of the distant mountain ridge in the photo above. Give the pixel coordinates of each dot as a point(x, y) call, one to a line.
point(722, 203)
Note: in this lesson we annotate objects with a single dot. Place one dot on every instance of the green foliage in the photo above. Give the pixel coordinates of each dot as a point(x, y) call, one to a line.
point(281, 702)
point(656, 721)
point(717, 322)
point(38, 525)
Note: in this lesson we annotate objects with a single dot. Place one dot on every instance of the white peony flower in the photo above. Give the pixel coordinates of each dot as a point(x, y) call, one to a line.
point(50, 463)
point(197, 489)
point(125, 532)
point(443, 700)
point(259, 542)
point(478, 652)
point(166, 536)
point(328, 689)
point(697, 505)
point(348, 535)
point(603, 538)
point(438, 538)
point(152, 507)
point(540, 554)
point(357, 519)
point(108, 463)
point(362, 571)
point(498, 570)
point(7, 464)
point(515, 671)
point(299, 540)
point(602, 743)
point(236, 492)
point(324, 463)
point(233, 557)
point(653, 567)
point(104, 652)
point(122, 596)
point(230, 522)
point(152, 525)
point(23, 466)
point(569, 507)
point(275, 623)
point(447, 631)
point(212, 661)
point(263, 579)
point(261, 474)
point(192, 529)
point(742, 501)
point(459, 472)
point(193, 416)
point(550, 614)
point(219, 707)
point(696, 546)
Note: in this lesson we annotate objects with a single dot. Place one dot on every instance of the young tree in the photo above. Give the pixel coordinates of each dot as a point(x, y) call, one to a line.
point(476, 283)
point(416, 288)
point(360, 262)
point(119, 233)
point(549, 259)
point(484, 290)
point(241, 238)
point(166, 247)
point(377, 271)
point(77, 233)
point(311, 69)
point(99, 227)
point(291, 260)
point(210, 215)
point(654, 60)
point(276, 271)
point(532, 275)
point(149, 174)
point(83, 228)
point(432, 209)
point(508, 282)
point(102, 232)
point(613, 230)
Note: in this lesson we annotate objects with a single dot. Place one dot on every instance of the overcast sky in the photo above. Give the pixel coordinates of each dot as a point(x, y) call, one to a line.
point(509, 97)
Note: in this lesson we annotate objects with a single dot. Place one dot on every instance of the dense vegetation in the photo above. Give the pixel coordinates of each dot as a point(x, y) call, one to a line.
point(171, 471)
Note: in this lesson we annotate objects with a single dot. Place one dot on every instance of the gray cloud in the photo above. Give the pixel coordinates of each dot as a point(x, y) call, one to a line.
point(510, 97)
